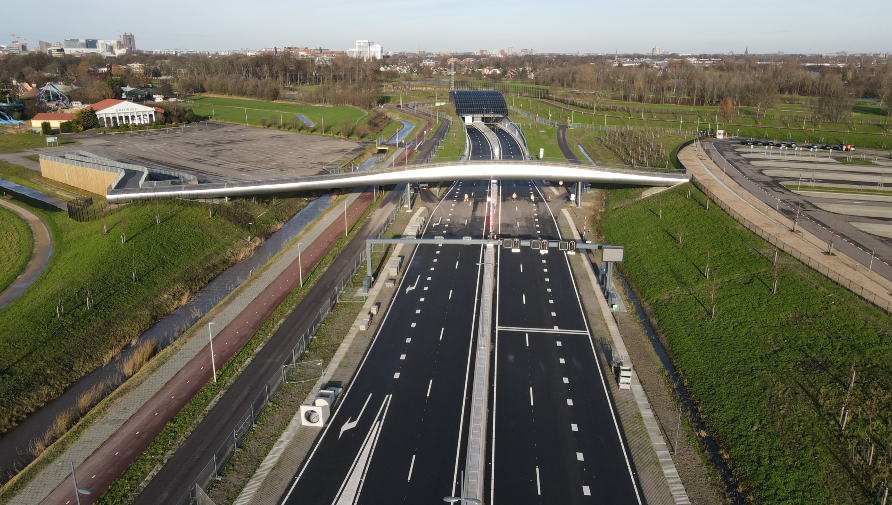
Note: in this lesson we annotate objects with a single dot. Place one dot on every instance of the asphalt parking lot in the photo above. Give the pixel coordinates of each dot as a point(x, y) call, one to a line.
point(219, 152)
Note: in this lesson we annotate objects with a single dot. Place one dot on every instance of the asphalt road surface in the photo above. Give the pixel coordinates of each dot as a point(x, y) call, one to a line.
point(480, 148)
point(555, 435)
point(399, 433)
point(510, 149)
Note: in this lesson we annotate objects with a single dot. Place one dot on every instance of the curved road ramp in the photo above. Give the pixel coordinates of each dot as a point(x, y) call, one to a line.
point(432, 172)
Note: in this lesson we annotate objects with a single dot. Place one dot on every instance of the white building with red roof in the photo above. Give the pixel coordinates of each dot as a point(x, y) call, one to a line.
point(112, 113)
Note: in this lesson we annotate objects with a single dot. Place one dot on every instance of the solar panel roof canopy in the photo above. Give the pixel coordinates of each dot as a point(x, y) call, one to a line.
point(479, 103)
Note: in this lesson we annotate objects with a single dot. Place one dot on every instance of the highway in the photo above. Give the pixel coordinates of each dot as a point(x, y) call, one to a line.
point(555, 435)
point(399, 434)
point(510, 148)
point(480, 148)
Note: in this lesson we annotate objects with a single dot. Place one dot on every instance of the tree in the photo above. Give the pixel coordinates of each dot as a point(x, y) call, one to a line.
point(726, 107)
point(165, 89)
point(20, 77)
point(190, 116)
point(45, 128)
point(86, 118)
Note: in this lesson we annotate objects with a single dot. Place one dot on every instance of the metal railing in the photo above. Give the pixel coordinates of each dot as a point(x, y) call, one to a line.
point(834, 276)
point(240, 430)
point(592, 126)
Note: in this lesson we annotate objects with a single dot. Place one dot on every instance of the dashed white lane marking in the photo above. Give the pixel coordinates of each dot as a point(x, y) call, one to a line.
point(450, 294)
point(545, 270)
point(413, 325)
point(441, 333)
point(521, 268)
point(566, 380)
point(435, 260)
point(573, 427)
point(524, 299)
point(531, 396)
point(558, 343)
point(528, 339)
point(543, 261)
point(561, 359)
point(402, 356)
point(409, 340)
point(411, 466)
point(550, 301)
point(569, 402)
point(429, 384)
point(554, 314)
point(432, 268)
point(421, 300)
point(429, 277)
point(546, 289)
point(418, 311)
point(396, 375)
point(456, 265)
point(546, 279)
point(586, 491)
point(579, 457)
point(538, 487)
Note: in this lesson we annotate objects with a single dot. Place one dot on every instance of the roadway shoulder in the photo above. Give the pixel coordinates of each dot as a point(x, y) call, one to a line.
point(657, 473)
point(288, 454)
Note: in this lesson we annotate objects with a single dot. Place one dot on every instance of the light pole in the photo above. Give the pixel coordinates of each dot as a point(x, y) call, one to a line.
point(211, 340)
point(300, 268)
point(79, 490)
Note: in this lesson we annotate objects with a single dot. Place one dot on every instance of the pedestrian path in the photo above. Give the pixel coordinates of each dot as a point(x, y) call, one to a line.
point(33, 193)
point(43, 249)
point(94, 437)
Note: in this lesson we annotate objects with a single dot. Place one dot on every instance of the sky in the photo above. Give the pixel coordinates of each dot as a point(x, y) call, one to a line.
point(561, 26)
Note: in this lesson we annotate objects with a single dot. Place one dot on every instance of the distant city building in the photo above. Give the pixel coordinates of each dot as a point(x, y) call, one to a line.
point(86, 46)
point(656, 51)
point(510, 50)
point(127, 42)
point(533, 50)
point(366, 50)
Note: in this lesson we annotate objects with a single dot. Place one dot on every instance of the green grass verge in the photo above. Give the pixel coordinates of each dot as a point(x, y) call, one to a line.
point(770, 372)
point(16, 245)
point(42, 354)
point(20, 141)
point(124, 489)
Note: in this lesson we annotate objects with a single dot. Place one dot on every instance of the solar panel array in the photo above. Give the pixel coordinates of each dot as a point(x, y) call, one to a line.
point(479, 103)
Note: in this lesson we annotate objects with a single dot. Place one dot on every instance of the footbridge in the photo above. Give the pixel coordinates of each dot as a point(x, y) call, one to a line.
point(430, 172)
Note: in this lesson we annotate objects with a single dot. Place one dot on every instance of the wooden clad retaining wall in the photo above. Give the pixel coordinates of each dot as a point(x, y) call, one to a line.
point(88, 179)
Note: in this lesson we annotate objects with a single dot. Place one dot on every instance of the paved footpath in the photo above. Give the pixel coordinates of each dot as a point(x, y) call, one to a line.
point(103, 452)
point(43, 249)
point(724, 189)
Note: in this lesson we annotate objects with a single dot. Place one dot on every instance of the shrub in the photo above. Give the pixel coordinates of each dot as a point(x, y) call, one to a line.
point(45, 128)
point(65, 127)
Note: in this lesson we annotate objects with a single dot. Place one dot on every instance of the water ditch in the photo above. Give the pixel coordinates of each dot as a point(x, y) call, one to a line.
point(401, 133)
point(14, 444)
point(709, 444)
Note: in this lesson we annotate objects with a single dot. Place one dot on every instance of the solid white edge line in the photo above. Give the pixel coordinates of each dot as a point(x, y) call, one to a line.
point(538, 486)
point(468, 369)
point(600, 372)
point(359, 369)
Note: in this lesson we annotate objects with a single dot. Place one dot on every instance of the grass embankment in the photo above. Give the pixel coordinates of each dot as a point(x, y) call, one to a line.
point(770, 372)
point(862, 130)
point(16, 244)
point(31, 179)
point(41, 354)
point(127, 486)
point(282, 115)
point(28, 140)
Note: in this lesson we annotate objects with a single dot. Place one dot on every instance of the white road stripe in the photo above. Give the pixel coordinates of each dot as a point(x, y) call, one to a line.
point(524, 299)
point(450, 294)
point(579, 457)
point(528, 339)
point(411, 466)
point(441, 333)
point(531, 396)
point(538, 487)
point(429, 384)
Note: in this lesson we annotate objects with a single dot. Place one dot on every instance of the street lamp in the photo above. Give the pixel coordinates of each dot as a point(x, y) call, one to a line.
point(79, 490)
point(300, 269)
point(211, 340)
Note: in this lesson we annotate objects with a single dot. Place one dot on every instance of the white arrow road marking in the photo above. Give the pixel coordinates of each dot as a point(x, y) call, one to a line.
point(352, 486)
point(413, 286)
point(349, 425)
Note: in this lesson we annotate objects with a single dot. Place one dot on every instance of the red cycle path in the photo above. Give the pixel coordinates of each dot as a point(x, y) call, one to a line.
point(118, 451)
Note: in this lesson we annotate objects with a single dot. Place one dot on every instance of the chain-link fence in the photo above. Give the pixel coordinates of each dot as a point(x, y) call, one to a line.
point(280, 377)
point(834, 276)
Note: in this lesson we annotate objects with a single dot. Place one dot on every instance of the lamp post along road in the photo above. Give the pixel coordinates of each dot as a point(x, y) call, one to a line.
point(211, 340)
point(78, 490)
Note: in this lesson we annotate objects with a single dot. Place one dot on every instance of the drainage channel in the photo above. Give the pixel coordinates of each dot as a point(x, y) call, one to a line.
point(708, 442)
point(14, 444)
